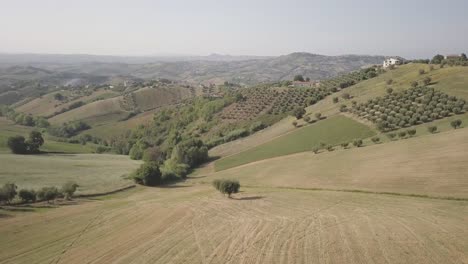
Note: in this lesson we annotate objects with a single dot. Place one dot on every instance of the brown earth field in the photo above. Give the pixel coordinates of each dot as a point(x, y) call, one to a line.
point(188, 223)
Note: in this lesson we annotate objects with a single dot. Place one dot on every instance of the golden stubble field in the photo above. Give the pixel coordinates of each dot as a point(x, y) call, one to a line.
point(194, 224)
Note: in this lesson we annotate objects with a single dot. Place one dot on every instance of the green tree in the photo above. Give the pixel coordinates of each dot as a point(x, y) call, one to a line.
point(432, 129)
point(456, 123)
point(227, 186)
point(48, 194)
point(375, 140)
point(34, 142)
point(27, 195)
point(298, 78)
point(344, 145)
point(358, 143)
point(68, 189)
point(299, 112)
point(148, 174)
point(411, 132)
point(8, 192)
point(402, 134)
point(17, 145)
point(389, 90)
point(437, 59)
point(318, 116)
point(427, 80)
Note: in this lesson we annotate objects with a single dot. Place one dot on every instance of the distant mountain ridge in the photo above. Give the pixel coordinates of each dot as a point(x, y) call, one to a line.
point(20, 70)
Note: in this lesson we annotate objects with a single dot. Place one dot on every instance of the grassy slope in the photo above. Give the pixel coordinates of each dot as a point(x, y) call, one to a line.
point(428, 165)
point(93, 172)
point(107, 110)
point(328, 131)
point(151, 98)
point(8, 129)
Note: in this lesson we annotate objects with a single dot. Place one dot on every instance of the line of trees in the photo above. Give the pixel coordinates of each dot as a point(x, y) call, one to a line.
point(8, 192)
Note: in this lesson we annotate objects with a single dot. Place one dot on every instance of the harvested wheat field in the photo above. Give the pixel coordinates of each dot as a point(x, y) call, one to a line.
point(194, 224)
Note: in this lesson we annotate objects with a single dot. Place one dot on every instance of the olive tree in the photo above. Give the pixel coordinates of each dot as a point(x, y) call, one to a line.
point(456, 123)
point(432, 129)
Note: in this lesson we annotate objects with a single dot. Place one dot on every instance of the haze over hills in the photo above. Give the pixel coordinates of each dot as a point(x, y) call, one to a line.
point(214, 68)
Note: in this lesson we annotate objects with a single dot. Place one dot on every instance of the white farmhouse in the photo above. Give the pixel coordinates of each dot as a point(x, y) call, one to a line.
point(391, 61)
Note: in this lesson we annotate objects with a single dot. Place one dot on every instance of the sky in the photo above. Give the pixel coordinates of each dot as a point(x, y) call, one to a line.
point(409, 28)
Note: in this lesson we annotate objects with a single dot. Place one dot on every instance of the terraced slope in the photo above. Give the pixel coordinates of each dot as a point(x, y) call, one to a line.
point(331, 131)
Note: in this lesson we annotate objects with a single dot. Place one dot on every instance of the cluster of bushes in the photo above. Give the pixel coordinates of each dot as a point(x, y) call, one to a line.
point(19, 145)
point(23, 119)
point(68, 129)
point(225, 186)
point(414, 106)
point(8, 192)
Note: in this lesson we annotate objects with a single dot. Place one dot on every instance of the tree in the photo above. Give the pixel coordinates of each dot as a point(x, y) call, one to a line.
point(318, 116)
point(17, 145)
point(153, 154)
point(343, 108)
point(357, 143)
point(330, 148)
point(402, 134)
point(298, 78)
point(294, 123)
point(227, 186)
point(307, 79)
point(148, 174)
point(437, 59)
point(389, 90)
point(463, 57)
point(414, 84)
point(27, 195)
point(427, 80)
point(307, 119)
point(456, 123)
point(421, 71)
point(432, 129)
point(375, 140)
point(299, 112)
point(335, 100)
point(48, 193)
point(68, 189)
point(344, 145)
point(8, 192)
point(58, 97)
point(34, 142)
point(411, 132)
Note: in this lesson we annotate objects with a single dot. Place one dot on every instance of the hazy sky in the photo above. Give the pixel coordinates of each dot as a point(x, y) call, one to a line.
point(239, 27)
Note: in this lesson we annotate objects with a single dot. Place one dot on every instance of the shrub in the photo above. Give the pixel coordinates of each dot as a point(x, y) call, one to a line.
point(307, 119)
point(345, 145)
point(227, 186)
point(389, 90)
point(390, 81)
point(298, 78)
point(456, 123)
point(294, 123)
point(343, 108)
point(330, 148)
point(375, 140)
point(8, 192)
point(421, 71)
point(27, 195)
point(68, 189)
point(335, 100)
point(414, 84)
point(148, 174)
point(315, 150)
point(411, 132)
point(427, 80)
point(318, 116)
point(48, 193)
point(235, 134)
point(357, 143)
point(432, 129)
point(257, 126)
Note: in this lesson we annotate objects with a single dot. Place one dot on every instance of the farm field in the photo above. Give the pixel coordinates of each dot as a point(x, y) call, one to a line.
point(194, 224)
point(95, 173)
point(328, 131)
point(433, 165)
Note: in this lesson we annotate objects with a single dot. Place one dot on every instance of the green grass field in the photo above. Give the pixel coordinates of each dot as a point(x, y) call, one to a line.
point(333, 131)
point(8, 129)
point(95, 173)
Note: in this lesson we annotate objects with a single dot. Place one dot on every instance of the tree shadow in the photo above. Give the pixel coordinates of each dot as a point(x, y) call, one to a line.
point(17, 209)
point(249, 198)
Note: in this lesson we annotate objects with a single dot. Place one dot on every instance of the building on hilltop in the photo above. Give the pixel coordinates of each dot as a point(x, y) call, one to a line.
point(392, 61)
point(452, 57)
